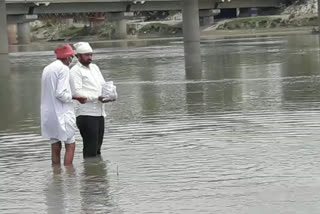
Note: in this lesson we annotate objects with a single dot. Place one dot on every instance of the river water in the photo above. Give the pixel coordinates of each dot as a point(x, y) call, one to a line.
point(240, 137)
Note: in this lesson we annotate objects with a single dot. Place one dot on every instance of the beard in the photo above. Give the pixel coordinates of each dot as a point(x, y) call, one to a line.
point(86, 62)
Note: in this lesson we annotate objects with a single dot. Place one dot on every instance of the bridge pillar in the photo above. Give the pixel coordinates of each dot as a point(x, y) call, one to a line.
point(68, 22)
point(19, 28)
point(254, 12)
point(121, 29)
point(3, 25)
point(12, 34)
point(319, 15)
point(206, 17)
point(24, 36)
point(238, 11)
point(120, 23)
point(191, 33)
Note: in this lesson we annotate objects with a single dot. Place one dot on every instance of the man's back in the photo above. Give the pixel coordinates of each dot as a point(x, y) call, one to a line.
point(56, 100)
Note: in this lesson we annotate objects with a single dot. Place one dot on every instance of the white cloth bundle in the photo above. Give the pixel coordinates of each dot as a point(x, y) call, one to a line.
point(109, 91)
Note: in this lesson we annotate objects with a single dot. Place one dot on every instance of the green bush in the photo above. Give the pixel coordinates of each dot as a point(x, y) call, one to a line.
point(268, 22)
point(159, 28)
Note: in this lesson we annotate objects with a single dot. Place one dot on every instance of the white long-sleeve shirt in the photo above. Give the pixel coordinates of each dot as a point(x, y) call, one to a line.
point(88, 81)
point(56, 102)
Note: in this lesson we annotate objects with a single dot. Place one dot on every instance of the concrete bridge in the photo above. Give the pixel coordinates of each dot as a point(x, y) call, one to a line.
point(20, 12)
point(15, 7)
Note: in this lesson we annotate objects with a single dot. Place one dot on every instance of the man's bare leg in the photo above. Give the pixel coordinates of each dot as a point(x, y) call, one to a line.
point(70, 170)
point(68, 156)
point(55, 153)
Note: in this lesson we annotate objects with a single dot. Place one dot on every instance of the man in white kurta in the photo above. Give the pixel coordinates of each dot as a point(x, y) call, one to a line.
point(87, 80)
point(57, 115)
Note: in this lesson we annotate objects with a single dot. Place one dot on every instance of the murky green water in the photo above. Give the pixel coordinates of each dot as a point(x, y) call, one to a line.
point(241, 137)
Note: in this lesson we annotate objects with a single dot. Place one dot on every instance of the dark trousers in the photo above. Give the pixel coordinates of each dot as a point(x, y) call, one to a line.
point(92, 131)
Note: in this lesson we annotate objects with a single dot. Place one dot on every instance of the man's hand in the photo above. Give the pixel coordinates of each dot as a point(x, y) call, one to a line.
point(81, 99)
point(104, 100)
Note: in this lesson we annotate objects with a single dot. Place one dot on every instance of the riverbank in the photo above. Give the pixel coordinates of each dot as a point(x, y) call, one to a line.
point(220, 34)
point(55, 30)
point(298, 18)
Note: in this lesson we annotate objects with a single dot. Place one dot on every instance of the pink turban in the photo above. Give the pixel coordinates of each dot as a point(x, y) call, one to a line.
point(63, 51)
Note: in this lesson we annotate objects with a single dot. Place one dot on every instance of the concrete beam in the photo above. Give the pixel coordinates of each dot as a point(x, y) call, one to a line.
point(16, 9)
point(21, 19)
point(3, 26)
point(80, 6)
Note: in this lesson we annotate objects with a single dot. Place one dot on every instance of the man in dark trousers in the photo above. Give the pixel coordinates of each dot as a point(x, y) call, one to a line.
point(87, 80)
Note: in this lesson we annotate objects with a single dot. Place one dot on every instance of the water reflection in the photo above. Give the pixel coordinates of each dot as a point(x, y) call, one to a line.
point(62, 190)
point(149, 93)
point(5, 65)
point(194, 91)
point(302, 57)
point(95, 187)
point(240, 132)
point(195, 98)
point(5, 89)
point(301, 65)
point(21, 92)
point(192, 56)
point(55, 193)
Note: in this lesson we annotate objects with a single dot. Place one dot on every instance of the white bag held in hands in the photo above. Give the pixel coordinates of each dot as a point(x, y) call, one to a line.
point(109, 91)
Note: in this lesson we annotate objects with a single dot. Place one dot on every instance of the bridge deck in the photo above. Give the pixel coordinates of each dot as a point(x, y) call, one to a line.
point(16, 7)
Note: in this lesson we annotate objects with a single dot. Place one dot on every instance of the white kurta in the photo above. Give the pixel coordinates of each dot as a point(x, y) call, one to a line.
point(57, 114)
point(88, 81)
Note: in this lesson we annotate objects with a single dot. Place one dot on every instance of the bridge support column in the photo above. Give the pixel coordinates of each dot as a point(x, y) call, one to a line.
point(191, 33)
point(254, 12)
point(206, 17)
point(121, 29)
point(3, 25)
point(19, 28)
point(238, 12)
point(12, 34)
point(120, 23)
point(68, 22)
point(24, 36)
point(319, 15)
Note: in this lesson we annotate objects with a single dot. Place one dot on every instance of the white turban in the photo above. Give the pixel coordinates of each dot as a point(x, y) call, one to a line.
point(82, 48)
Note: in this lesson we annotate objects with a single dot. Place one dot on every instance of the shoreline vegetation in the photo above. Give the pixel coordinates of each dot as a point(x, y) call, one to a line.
point(300, 17)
